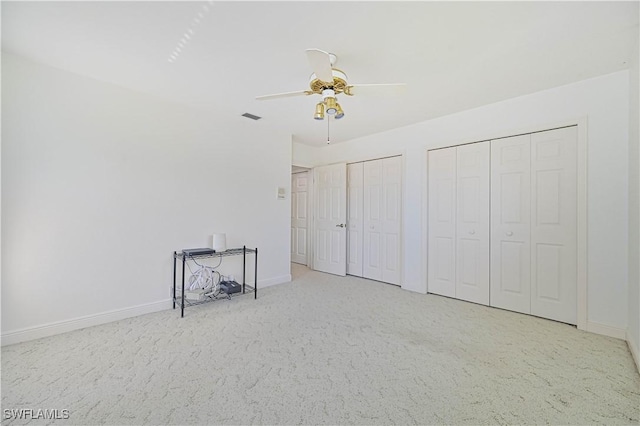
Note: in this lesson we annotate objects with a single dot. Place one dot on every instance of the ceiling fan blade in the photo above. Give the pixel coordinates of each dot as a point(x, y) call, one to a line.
point(284, 95)
point(383, 88)
point(320, 62)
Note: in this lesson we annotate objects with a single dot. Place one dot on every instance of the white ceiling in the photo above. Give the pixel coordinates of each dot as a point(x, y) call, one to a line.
point(453, 55)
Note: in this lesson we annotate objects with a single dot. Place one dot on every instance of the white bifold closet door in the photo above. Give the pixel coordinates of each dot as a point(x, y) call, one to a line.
point(391, 218)
point(299, 217)
point(534, 228)
point(442, 222)
point(554, 224)
point(381, 219)
point(472, 222)
point(458, 263)
point(372, 267)
point(510, 223)
point(355, 218)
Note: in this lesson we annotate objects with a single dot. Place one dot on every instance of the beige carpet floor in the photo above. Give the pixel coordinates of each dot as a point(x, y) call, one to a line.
point(327, 350)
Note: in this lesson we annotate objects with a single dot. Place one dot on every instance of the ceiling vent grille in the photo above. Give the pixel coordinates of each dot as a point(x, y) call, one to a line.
point(251, 116)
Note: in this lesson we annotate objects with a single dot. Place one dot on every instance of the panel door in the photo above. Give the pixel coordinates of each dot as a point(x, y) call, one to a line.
point(391, 219)
point(472, 222)
point(553, 224)
point(355, 218)
point(293, 215)
point(299, 217)
point(373, 213)
point(510, 223)
point(441, 266)
point(330, 242)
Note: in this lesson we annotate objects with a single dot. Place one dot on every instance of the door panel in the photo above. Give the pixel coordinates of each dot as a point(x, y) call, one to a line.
point(441, 269)
point(372, 220)
point(513, 271)
point(355, 219)
point(510, 223)
point(553, 224)
point(472, 222)
point(468, 264)
point(392, 204)
point(331, 217)
point(299, 217)
point(294, 237)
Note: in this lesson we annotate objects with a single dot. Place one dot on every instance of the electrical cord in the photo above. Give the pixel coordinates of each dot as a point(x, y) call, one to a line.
point(205, 277)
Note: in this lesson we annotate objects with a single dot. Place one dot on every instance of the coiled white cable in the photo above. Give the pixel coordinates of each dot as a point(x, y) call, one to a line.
point(205, 278)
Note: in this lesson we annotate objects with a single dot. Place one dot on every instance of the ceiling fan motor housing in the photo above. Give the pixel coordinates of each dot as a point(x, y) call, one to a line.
point(338, 85)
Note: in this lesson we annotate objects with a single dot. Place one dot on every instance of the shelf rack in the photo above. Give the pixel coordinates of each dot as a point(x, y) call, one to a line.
point(182, 302)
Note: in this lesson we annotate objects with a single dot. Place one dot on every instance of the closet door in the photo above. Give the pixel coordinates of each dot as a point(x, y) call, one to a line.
point(355, 218)
point(510, 223)
point(472, 223)
point(299, 217)
point(553, 224)
point(391, 203)
point(373, 205)
point(442, 222)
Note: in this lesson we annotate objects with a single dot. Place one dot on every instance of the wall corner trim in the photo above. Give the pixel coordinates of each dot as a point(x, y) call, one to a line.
point(635, 352)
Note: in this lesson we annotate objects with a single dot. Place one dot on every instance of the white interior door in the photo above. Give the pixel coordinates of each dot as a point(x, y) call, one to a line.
point(299, 217)
point(510, 223)
point(330, 219)
point(472, 223)
point(391, 225)
point(553, 224)
point(355, 218)
point(373, 206)
point(442, 222)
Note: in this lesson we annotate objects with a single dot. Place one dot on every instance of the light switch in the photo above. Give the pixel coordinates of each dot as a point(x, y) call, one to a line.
point(281, 193)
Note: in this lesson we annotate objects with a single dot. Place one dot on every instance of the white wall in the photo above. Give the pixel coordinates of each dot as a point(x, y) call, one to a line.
point(633, 335)
point(100, 184)
point(305, 155)
point(603, 100)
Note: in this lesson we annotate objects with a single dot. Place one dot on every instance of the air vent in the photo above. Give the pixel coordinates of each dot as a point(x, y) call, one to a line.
point(251, 116)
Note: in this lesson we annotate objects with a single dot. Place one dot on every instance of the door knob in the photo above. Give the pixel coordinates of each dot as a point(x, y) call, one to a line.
point(509, 233)
point(341, 225)
point(472, 232)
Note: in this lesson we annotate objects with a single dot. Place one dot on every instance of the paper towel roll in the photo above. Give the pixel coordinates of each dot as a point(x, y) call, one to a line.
point(219, 242)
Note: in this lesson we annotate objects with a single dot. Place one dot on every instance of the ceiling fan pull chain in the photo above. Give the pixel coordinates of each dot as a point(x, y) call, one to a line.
point(328, 120)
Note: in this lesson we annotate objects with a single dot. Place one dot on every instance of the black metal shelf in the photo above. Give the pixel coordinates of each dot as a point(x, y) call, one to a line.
point(182, 302)
point(229, 252)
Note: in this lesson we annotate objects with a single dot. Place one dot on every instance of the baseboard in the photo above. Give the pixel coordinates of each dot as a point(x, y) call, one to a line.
point(59, 327)
point(635, 352)
point(606, 330)
point(46, 330)
point(273, 281)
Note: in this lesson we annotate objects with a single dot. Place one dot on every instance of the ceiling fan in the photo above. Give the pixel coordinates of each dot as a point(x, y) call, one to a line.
point(328, 82)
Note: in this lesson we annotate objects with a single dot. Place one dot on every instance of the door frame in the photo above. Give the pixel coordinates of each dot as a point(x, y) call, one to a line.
point(581, 179)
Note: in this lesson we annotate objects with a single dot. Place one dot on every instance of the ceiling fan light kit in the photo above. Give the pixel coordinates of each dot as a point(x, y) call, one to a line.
point(319, 115)
point(330, 105)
